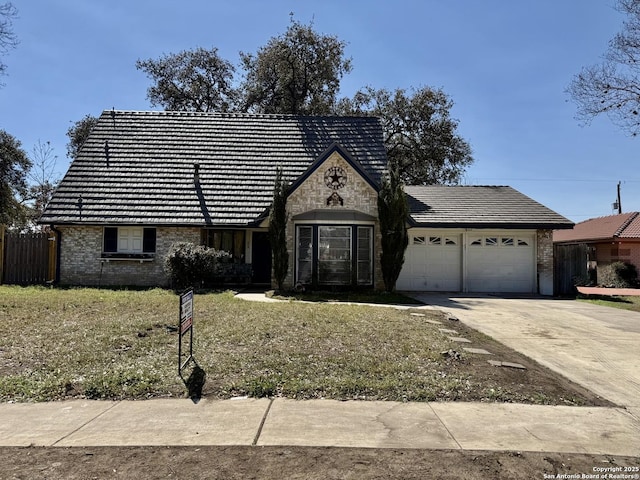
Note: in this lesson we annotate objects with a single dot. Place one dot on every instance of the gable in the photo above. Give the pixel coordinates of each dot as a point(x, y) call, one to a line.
point(333, 185)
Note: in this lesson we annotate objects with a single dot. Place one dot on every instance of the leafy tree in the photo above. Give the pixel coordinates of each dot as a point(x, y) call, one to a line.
point(14, 166)
point(420, 136)
point(192, 80)
point(278, 218)
point(297, 73)
point(8, 39)
point(78, 134)
point(613, 86)
point(393, 211)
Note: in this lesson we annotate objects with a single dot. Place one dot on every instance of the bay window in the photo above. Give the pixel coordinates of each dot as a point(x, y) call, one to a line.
point(334, 254)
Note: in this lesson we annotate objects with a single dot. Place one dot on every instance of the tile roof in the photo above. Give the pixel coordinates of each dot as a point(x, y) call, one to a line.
point(138, 167)
point(624, 225)
point(479, 207)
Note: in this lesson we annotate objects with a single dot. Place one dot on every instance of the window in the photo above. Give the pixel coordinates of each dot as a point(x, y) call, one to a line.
point(231, 241)
point(450, 241)
point(507, 241)
point(365, 256)
point(305, 255)
point(128, 241)
point(334, 254)
point(491, 241)
point(435, 240)
point(476, 242)
point(419, 240)
point(523, 243)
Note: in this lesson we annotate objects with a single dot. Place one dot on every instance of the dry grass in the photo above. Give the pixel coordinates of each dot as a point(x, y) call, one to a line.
point(121, 344)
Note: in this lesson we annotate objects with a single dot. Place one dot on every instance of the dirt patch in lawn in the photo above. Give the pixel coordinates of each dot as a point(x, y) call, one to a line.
point(307, 463)
point(532, 384)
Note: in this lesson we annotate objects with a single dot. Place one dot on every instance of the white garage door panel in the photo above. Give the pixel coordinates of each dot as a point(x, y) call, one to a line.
point(432, 263)
point(501, 268)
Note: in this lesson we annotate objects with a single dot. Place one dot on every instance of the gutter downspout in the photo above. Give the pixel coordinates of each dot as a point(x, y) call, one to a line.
point(58, 234)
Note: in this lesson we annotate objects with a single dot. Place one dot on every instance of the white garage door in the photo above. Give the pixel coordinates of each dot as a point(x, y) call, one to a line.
point(500, 263)
point(495, 262)
point(433, 262)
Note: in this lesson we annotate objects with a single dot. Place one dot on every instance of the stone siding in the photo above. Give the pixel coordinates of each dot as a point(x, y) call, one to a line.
point(313, 194)
point(81, 262)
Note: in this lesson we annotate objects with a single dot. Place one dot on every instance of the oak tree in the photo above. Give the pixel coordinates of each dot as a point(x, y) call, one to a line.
point(298, 72)
point(78, 134)
point(420, 135)
point(14, 166)
point(192, 80)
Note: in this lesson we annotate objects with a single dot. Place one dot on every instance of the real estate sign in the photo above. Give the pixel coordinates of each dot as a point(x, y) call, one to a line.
point(185, 327)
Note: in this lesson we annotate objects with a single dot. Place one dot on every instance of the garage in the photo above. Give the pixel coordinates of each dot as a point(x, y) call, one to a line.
point(483, 239)
point(469, 261)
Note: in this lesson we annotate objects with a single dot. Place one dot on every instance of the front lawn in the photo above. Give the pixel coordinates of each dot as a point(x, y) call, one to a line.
point(623, 302)
point(106, 344)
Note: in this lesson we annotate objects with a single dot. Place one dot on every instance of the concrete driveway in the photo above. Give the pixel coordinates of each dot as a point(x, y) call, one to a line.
point(597, 347)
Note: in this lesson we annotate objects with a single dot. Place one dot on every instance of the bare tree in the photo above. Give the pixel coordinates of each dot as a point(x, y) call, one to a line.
point(41, 178)
point(613, 86)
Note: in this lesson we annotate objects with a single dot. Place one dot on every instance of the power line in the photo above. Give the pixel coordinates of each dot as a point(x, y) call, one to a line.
point(501, 179)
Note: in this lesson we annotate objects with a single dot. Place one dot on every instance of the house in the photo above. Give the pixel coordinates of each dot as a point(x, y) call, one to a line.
point(594, 243)
point(144, 180)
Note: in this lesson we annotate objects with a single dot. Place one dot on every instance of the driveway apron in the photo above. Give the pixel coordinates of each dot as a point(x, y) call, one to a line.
point(597, 347)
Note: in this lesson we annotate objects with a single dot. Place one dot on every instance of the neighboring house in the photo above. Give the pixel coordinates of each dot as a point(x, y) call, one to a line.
point(594, 243)
point(144, 180)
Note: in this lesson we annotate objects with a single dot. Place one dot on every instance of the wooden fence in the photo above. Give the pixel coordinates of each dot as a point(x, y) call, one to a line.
point(27, 258)
point(570, 263)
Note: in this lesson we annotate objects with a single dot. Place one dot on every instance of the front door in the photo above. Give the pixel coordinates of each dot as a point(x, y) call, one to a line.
point(261, 258)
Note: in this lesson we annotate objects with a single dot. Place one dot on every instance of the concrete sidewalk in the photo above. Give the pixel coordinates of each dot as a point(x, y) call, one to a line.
point(331, 423)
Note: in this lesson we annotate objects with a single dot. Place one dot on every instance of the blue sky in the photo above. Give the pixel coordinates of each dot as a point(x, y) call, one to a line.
point(504, 63)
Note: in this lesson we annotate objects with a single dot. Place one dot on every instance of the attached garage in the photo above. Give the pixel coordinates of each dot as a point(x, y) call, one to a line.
point(470, 261)
point(478, 239)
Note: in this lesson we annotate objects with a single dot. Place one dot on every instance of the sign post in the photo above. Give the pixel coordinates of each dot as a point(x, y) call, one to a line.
point(185, 327)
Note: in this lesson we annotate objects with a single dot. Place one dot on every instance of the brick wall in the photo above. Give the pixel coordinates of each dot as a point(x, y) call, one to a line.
point(357, 194)
point(81, 262)
point(618, 251)
point(544, 257)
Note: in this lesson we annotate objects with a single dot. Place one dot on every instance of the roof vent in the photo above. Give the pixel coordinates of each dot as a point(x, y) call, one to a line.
point(106, 150)
point(196, 173)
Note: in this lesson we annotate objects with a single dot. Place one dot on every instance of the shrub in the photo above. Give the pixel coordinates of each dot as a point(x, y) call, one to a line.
point(618, 275)
point(188, 264)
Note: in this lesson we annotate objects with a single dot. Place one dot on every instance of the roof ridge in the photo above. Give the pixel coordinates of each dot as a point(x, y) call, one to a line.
point(232, 114)
point(625, 224)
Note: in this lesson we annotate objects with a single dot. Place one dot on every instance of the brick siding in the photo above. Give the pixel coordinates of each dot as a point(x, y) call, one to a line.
point(544, 258)
point(81, 262)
